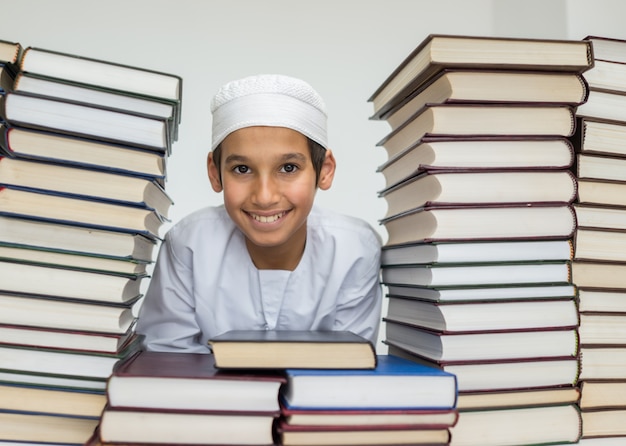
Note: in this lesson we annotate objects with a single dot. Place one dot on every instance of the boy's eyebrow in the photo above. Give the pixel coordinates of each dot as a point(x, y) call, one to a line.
point(235, 159)
point(285, 157)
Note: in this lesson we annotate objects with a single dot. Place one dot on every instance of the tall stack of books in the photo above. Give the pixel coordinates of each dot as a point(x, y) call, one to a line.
point(82, 176)
point(599, 266)
point(480, 227)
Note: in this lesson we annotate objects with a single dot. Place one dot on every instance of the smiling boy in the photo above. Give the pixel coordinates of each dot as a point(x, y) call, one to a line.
point(269, 258)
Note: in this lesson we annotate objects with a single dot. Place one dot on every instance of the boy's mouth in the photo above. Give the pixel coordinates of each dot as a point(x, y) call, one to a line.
point(267, 218)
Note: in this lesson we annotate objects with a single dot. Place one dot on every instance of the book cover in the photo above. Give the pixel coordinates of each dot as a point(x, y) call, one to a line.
point(395, 383)
point(292, 349)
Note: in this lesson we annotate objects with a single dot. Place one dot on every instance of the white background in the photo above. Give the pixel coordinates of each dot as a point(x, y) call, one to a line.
point(344, 48)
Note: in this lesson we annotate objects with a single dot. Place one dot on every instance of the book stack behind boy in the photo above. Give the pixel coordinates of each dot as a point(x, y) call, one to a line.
point(599, 266)
point(82, 176)
point(479, 219)
point(288, 388)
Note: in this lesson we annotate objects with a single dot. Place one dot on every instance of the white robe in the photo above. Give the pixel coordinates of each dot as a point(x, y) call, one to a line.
point(205, 283)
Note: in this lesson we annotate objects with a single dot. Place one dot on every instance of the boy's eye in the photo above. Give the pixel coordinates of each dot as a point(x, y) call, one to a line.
point(241, 169)
point(289, 168)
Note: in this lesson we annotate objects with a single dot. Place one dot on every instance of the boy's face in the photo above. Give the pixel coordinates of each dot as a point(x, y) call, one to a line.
point(268, 181)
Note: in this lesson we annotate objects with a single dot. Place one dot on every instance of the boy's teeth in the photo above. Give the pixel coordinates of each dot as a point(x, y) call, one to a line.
point(268, 219)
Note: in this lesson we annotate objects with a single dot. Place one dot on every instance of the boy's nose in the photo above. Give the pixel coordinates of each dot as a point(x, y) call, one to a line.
point(266, 192)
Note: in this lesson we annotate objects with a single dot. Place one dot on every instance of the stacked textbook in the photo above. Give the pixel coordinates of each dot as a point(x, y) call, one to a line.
point(84, 144)
point(599, 267)
point(478, 262)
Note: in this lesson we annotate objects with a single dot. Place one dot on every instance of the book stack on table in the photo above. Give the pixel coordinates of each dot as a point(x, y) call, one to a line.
point(285, 388)
point(478, 261)
point(83, 145)
point(599, 266)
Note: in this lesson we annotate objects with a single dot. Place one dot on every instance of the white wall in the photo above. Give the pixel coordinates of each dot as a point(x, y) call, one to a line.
point(344, 48)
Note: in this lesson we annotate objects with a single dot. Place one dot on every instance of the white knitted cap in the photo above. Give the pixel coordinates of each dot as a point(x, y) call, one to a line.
point(268, 100)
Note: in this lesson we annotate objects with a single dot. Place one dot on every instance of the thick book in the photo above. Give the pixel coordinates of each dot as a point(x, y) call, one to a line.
point(60, 338)
point(173, 381)
point(87, 262)
point(607, 75)
point(75, 239)
point(395, 383)
point(600, 244)
point(600, 167)
point(608, 48)
point(530, 397)
point(604, 329)
point(599, 137)
point(601, 300)
point(66, 314)
point(52, 401)
point(483, 316)
point(438, 51)
point(62, 282)
point(484, 346)
point(557, 424)
point(604, 105)
point(434, 418)
point(34, 84)
point(601, 423)
point(475, 274)
point(599, 274)
point(482, 251)
point(63, 363)
point(70, 118)
point(478, 119)
point(27, 428)
point(491, 86)
point(86, 184)
point(42, 206)
point(465, 293)
point(603, 394)
point(449, 188)
point(600, 193)
point(502, 375)
point(103, 73)
point(294, 435)
point(266, 349)
point(605, 363)
point(70, 150)
point(484, 153)
point(135, 427)
point(481, 223)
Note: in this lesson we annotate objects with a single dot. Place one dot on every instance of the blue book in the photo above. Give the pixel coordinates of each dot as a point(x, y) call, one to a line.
point(395, 383)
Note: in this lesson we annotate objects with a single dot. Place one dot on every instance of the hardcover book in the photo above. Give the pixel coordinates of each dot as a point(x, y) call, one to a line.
point(395, 383)
point(437, 52)
point(261, 349)
point(167, 381)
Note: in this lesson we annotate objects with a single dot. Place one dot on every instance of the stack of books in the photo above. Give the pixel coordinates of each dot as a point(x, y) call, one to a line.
point(480, 223)
point(287, 387)
point(84, 145)
point(599, 266)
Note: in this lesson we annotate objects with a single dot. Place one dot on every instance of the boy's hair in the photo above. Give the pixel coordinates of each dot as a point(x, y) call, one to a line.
point(318, 154)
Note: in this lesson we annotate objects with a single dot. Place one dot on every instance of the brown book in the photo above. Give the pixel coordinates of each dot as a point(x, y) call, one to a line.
point(599, 274)
point(30, 428)
point(480, 223)
point(470, 187)
point(175, 381)
point(487, 86)
point(263, 349)
point(477, 119)
point(437, 52)
point(603, 394)
point(478, 153)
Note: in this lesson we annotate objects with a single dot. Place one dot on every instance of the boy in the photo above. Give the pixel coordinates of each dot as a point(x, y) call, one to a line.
point(268, 259)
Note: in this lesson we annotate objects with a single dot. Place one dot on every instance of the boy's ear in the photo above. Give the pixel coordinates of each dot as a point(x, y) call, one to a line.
point(214, 173)
point(327, 173)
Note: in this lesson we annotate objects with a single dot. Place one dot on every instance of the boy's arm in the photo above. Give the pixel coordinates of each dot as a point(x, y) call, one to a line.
point(359, 308)
point(167, 315)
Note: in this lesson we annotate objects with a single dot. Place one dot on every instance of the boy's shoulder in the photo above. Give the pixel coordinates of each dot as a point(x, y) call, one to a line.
point(342, 225)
